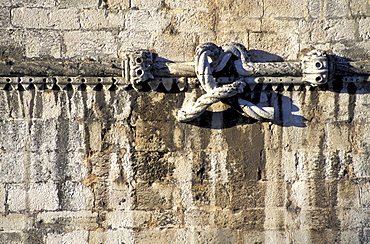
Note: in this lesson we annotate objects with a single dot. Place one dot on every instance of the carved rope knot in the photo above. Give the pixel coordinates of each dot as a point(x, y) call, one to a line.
point(210, 58)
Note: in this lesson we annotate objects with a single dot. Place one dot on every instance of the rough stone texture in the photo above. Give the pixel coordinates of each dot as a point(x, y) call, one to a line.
point(115, 166)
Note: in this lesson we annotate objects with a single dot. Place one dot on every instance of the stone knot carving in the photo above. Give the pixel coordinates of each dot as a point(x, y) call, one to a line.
point(209, 59)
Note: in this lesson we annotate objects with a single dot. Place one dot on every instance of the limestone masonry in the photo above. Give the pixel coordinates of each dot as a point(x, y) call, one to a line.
point(89, 153)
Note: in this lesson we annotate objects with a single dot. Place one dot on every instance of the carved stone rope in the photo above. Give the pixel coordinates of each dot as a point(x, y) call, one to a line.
point(211, 58)
point(223, 72)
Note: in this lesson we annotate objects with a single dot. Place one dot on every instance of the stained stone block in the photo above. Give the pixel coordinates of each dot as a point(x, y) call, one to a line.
point(150, 137)
point(243, 195)
point(11, 237)
point(12, 168)
point(245, 219)
point(154, 197)
point(64, 221)
point(44, 136)
point(13, 135)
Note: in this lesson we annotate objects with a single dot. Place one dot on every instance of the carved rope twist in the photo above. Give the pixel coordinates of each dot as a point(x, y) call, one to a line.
point(210, 58)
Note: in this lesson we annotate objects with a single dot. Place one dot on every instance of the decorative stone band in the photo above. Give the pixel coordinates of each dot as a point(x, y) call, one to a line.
point(222, 71)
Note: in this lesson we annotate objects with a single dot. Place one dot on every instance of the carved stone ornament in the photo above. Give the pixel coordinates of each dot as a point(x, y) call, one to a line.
point(223, 72)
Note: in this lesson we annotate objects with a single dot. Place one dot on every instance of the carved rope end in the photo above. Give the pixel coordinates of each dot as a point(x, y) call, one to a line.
point(315, 68)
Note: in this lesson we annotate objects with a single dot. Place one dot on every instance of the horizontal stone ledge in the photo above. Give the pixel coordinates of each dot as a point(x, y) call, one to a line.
point(171, 84)
point(160, 68)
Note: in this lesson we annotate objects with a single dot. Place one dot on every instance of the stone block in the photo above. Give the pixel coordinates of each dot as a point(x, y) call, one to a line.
point(12, 168)
point(134, 40)
point(241, 9)
point(231, 23)
point(271, 236)
point(349, 194)
point(65, 221)
point(157, 196)
point(127, 219)
point(359, 8)
point(43, 196)
point(78, 236)
point(11, 237)
point(14, 222)
point(336, 8)
point(92, 19)
point(365, 194)
point(224, 235)
point(179, 47)
point(196, 21)
point(183, 236)
point(64, 19)
point(17, 197)
point(30, 3)
point(42, 44)
point(252, 219)
point(198, 218)
point(155, 236)
point(249, 194)
point(285, 8)
point(314, 8)
point(44, 136)
point(364, 28)
point(113, 236)
point(75, 196)
point(13, 135)
point(152, 21)
point(118, 4)
point(149, 5)
point(77, 4)
point(351, 236)
point(4, 18)
point(152, 137)
point(278, 46)
point(2, 198)
point(333, 30)
point(94, 44)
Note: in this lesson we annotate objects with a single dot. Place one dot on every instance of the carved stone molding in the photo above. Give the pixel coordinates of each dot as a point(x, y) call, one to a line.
point(223, 72)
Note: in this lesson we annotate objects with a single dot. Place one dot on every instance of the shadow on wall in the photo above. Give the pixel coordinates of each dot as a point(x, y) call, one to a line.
point(345, 79)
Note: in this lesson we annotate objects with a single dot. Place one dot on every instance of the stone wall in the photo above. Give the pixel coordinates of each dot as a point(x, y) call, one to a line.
point(114, 166)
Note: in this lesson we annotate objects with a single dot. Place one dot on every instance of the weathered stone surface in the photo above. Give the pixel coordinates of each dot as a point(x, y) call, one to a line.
point(114, 166)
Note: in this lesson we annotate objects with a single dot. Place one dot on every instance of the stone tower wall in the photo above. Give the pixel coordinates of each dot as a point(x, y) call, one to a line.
point(114, 165)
